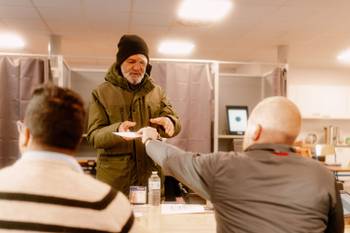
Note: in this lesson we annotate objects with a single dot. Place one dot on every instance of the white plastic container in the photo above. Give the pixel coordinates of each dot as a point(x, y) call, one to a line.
point(137, 195)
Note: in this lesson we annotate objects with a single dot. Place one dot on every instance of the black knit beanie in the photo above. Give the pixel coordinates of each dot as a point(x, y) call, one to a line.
point(130, 45)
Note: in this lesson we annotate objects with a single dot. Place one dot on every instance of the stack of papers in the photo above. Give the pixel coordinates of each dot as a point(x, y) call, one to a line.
point(181, 208)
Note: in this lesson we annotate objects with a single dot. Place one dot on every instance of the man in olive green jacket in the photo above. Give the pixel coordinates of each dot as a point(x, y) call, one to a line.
point(127, 101)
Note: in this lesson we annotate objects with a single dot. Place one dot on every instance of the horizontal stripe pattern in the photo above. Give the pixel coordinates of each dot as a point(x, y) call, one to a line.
point(39, 227)
point(128, 225)
point(98, 205)
point(90, 206)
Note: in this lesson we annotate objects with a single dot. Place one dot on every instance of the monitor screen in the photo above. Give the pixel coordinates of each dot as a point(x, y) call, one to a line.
point(237, 118)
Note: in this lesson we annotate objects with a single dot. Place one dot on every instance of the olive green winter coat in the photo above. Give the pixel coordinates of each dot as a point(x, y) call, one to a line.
point(124, 163)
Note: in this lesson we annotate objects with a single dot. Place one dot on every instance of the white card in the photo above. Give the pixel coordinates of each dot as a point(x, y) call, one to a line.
point(128, 134)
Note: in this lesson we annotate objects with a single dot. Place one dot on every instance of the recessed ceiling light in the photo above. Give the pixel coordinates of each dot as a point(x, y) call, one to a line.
point(176, 47)
point(11, 41)
point(204, 10)
point(344, 56)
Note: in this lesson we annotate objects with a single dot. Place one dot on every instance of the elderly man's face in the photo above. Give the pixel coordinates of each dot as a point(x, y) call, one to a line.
point(134, 68)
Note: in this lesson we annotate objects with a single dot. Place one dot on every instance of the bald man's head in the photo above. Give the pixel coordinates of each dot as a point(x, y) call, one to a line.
point(274, 120)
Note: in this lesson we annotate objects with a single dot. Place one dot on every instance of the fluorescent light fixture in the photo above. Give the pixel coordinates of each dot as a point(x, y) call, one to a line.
point(172, 47)
point(204, 10)
point(344, 56)
point(11, 41)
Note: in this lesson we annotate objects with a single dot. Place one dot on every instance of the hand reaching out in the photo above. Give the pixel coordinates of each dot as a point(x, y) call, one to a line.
point(166, 123)
point(148, 133)
point(125, 127)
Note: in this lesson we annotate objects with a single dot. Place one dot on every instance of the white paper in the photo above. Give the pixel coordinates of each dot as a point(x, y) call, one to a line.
point(181, 208)
point(128, 134)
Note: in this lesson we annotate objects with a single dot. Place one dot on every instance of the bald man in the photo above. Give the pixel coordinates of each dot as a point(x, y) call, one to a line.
point(268, 187)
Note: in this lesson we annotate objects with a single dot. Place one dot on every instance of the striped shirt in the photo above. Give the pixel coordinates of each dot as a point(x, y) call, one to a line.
point(49, 193)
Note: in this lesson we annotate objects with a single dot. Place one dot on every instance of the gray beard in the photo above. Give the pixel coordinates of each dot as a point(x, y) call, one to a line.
point(132, 80)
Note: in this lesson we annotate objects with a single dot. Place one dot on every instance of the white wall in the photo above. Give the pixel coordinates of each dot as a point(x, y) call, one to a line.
point(84, 81)
point(320, 77)
point(243, 91)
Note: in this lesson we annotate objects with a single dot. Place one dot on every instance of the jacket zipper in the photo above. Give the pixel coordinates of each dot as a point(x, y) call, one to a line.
point(140, 108)
point(122, 113)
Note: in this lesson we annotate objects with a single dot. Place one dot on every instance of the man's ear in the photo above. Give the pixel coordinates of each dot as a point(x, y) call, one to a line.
point(257, 132)
point(26, 137)
point(148, 69)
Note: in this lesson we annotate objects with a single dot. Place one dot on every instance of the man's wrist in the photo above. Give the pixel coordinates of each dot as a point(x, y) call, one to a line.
point(147, 141)
point(159, 138)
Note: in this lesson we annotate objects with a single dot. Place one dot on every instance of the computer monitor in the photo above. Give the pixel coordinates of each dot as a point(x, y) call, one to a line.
point(237, 118)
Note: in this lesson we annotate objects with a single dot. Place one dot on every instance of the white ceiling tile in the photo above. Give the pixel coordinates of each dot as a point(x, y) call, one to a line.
point(99, 7)
point(155, 6)
point(69, 14)
point(149, 31)
point(26, 24)
point(106, 16)
point(23, 3)
point(18, 12)
point(254, 12)
point(152, 19)
point(315, 4)
point(2, 24)
point(65, 4)
point(108, 21)
point(259, 2)
point(106, 29)
point(66, 28)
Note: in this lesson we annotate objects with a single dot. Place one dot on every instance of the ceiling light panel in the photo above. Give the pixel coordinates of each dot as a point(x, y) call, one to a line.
point(11, 41)
point(344, 56)
point(204, 10)
point(172, 47)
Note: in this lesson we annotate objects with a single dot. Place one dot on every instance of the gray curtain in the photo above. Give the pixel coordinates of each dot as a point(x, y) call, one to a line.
point(18, 77)
point(188, 90)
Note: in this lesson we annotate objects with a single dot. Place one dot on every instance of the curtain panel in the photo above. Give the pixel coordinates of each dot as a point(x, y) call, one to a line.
point(18, 77)
point(188, 89)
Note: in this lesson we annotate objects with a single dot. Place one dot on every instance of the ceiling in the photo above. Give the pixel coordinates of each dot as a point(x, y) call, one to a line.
point(315, 31)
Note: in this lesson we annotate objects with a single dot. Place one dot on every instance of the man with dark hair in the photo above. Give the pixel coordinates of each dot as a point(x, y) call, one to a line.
point(127, 101)
point(268, 187)
point(54, 113)
point(46, 190)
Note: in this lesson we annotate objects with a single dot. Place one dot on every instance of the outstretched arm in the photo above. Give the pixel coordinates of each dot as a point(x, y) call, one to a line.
point(194, 170)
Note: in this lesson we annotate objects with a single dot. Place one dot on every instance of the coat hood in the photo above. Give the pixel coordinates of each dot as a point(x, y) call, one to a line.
point(116, 79)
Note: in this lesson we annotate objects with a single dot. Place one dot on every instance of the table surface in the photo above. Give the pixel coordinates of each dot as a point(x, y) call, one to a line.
point(152, 219)
point(338, 168)
point(347, 229)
